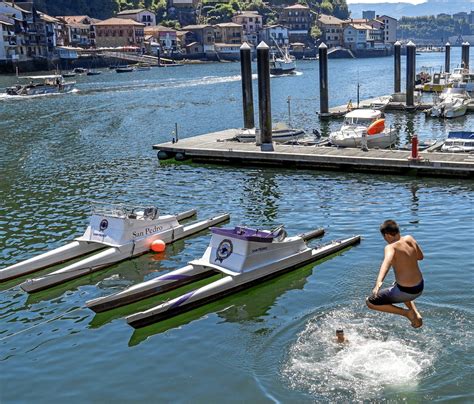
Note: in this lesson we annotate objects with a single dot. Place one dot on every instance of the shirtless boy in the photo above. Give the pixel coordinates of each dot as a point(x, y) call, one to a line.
point(403, 254)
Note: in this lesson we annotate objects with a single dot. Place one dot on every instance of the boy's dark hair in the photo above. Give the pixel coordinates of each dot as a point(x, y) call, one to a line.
point(389, 227)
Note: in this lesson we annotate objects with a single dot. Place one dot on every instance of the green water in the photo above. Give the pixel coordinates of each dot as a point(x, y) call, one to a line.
point(271, 343)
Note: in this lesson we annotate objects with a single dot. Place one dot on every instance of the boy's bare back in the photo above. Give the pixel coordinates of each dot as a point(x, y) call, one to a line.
point(406, 254)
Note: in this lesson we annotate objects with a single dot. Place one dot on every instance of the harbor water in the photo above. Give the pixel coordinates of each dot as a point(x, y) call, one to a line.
point(270, 343)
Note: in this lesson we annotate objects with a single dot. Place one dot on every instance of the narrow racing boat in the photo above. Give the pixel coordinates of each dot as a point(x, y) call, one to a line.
point(119, 232)
point(245, 257)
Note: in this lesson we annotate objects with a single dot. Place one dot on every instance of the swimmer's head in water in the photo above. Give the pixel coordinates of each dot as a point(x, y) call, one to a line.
point(340, 335)
point(389, 227)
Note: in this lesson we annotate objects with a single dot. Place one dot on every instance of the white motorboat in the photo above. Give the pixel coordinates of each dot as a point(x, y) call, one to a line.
point(281, 133)
point(119, 232)
point(459, 142)
point(451, 103)
point(245, 257)
point(40, 85)
point(360, 124)
point(164, 283)
point(282, 64)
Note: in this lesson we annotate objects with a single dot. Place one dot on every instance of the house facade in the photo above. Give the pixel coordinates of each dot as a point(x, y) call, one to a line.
point(201, 34)
point(115, 32)
point(80, 30)
point(140, 15)
point(166, 37)
point(228, 33)
point(272, 34)
point(297, 19)
point(251, 23)
point(390, 28)
point(331, 30)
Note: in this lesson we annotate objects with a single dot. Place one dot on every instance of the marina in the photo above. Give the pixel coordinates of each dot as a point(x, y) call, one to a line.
point(271, 341)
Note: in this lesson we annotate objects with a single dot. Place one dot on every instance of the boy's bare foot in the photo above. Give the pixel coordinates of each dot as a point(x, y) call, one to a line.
point(415, 318)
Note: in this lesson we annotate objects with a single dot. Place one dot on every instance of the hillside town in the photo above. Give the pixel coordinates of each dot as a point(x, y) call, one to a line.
point(29, 36)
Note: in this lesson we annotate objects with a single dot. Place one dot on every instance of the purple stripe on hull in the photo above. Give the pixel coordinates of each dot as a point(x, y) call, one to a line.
point(173, 277)
point(182, 299)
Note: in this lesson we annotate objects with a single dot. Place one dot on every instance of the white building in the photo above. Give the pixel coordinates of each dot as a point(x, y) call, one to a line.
point(275, 33)
point(139, 15)
point(390, 28)
point(7, 40)
point(357, 36)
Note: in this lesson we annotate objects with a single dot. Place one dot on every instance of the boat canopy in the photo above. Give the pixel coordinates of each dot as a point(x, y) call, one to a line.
point(461, 135)
point(51, 76)
point(364, 114)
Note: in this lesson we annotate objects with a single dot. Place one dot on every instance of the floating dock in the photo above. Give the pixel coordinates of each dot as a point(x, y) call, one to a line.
point(218, 148)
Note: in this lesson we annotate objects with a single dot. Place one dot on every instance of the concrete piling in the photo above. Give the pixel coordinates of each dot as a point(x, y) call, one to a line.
point(264, 100)
point(397, 51)
point(247, 92)
point(447, 57)
point(411, 68)
point(323, 79)
point(465, 55)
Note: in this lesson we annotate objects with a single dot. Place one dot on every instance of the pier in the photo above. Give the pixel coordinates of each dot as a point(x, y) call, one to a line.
point(218, 148)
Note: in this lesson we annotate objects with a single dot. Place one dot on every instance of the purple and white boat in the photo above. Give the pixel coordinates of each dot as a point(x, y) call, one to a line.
point(243, 255)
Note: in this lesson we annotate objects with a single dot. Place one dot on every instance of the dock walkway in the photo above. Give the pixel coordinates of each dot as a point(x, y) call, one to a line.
point(217, 148)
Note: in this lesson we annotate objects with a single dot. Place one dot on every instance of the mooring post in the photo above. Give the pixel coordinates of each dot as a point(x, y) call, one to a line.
point(323, 79)
point(247, 92)
point(447, 57)
point(158, 56)
point(465, 55)
point(397, 59)
point(264, 100)
point(410, 97)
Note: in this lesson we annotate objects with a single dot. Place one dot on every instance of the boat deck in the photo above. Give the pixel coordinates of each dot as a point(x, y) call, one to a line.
point(217, 148)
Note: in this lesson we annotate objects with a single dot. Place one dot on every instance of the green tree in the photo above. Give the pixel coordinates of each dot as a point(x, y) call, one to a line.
point(315, 32)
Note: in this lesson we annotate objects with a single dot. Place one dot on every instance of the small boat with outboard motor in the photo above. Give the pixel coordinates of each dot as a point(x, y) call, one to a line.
point(360, 123)
point(281, 133)
point(244, 256)
point(124, 69)
point(119, 232)
point(41, 85)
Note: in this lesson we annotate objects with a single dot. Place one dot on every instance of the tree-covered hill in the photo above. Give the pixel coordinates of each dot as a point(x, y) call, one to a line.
point(107, 8)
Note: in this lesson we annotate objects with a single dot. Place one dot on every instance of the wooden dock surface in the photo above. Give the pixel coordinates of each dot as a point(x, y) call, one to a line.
point(217, 148)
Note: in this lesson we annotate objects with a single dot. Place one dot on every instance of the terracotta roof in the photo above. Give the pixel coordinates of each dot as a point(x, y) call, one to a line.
point(136, 11)
point(119, 21)
point(329, 20)
point(228, 25)
point(158, 28)
point(297, 7)
point(198, 26)
point(74, 19)
point(248, 14)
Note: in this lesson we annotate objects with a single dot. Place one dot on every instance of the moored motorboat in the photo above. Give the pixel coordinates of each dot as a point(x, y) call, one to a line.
point(245, 257)
point(459, 142)
point(119, 232)
point(281, 133)
point(169, 281)
point(92, 72)
point(80, 70)
point(364, 124)
point(451, 103)
point(41, 85)
point(125, 69)
point(142, 67)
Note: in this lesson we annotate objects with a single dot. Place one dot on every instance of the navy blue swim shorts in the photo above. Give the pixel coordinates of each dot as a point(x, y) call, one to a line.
point(397, 294)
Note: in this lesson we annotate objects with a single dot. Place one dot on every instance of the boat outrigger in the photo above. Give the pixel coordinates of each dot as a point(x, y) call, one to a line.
point(120, 232)
point(243, 255)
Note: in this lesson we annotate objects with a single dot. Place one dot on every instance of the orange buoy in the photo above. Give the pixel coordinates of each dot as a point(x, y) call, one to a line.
point(376, 127)
point(158, 246)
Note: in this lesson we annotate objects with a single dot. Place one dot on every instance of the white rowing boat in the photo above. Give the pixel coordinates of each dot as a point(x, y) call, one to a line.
point(245, 256)
point(119, 232)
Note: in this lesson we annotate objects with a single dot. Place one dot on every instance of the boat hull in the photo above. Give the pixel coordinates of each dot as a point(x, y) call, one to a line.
point(232, 284)
point(113, 255)
point(380, 140)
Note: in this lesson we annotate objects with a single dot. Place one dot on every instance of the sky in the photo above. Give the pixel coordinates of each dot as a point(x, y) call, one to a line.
point(387, 1)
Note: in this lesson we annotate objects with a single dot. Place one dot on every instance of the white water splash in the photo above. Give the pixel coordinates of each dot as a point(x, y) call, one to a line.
point(376, 357)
